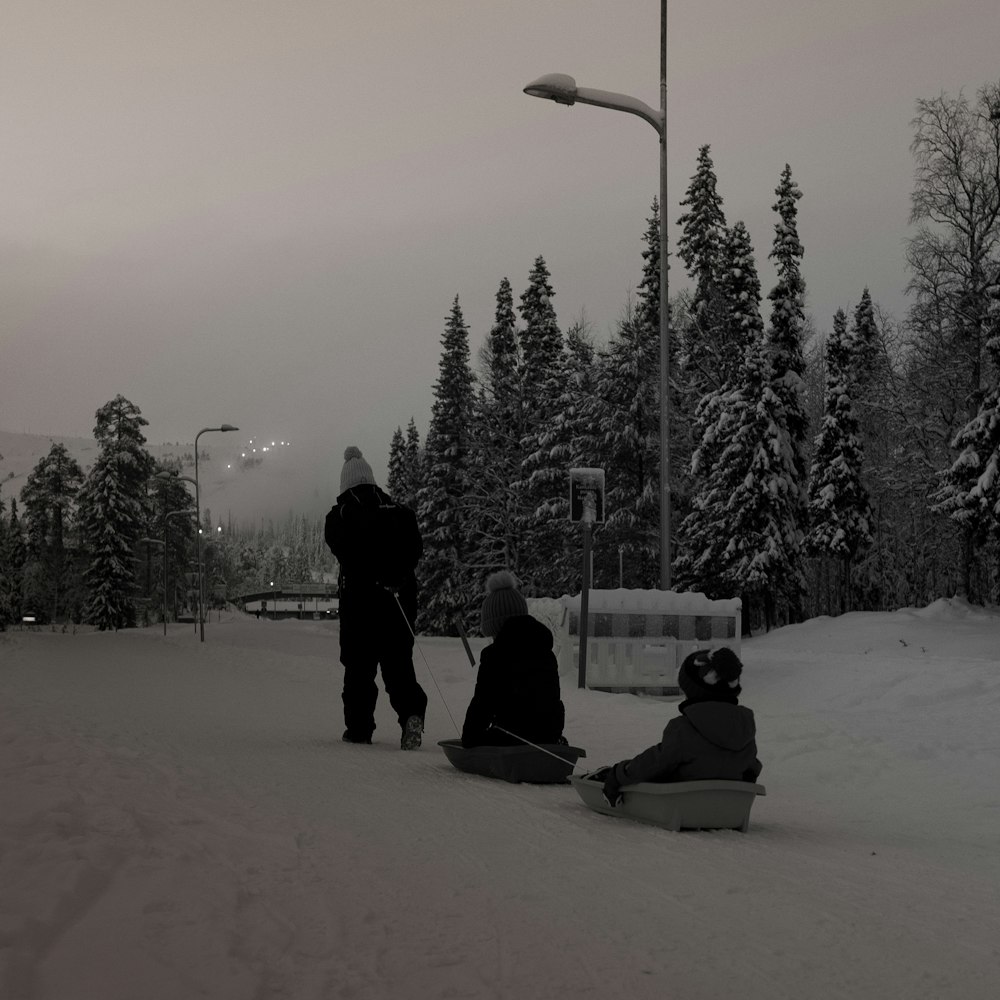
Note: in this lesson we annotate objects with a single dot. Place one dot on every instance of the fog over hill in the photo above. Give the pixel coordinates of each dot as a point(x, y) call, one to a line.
point(236, 482)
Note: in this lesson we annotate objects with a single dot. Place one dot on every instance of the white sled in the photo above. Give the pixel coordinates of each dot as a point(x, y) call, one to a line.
point(549, 764)
point(677, 805)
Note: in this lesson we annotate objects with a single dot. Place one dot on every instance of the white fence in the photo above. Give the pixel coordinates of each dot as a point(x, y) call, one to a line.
point(637, 639)
point(309, 606)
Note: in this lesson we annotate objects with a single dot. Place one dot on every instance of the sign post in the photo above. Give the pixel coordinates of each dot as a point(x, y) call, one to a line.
point(586, 505)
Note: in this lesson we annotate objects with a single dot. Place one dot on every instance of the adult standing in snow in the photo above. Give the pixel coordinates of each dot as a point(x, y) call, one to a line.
point(713, 737)
point(377, 544)
point(517, 687)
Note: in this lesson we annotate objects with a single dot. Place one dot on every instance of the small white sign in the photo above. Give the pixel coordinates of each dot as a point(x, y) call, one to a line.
point(586, 495)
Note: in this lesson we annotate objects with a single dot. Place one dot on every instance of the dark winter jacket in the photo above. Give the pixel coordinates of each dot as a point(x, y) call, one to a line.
point(361, 537)
point(709, 739)
point(517, 688)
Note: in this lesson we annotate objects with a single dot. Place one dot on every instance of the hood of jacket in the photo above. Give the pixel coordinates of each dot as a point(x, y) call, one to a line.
point(731, 727)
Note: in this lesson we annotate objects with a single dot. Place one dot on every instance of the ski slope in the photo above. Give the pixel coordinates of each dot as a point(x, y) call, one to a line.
point(180, 819)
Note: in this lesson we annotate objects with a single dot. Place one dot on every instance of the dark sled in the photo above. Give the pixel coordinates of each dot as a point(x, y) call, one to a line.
point(515, 763)
point(678, 805)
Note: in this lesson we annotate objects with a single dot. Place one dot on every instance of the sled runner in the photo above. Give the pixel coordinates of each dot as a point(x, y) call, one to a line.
point(515, 763)
point(677, 805)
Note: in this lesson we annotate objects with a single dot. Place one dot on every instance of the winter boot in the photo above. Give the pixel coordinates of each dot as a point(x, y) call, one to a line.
point(350, 737)
point(412, 733)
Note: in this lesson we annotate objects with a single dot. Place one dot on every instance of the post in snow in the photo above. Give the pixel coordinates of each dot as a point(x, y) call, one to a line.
point(586, 505)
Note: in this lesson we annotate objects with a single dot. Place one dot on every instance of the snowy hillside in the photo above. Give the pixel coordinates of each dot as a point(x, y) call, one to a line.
point(302, 478)
point(181, 820)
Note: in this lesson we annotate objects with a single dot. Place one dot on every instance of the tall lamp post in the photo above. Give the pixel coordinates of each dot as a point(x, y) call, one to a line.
point(197, 503)
point(562, 89)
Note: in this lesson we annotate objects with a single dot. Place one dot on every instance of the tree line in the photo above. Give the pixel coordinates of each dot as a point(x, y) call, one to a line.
point(813, 472)
point(116, 545)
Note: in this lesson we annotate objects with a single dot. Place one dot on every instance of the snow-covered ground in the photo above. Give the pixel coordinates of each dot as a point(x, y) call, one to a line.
point(180, 819)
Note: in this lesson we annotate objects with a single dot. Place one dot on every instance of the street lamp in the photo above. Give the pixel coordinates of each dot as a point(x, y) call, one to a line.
point(562, 89)
point(197, 503)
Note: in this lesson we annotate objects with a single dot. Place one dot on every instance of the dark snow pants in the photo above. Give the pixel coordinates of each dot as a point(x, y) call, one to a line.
point(368, 641)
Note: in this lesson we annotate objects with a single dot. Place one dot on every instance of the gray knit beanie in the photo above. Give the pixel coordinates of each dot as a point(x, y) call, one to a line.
point(356, 470)
point(503, 601)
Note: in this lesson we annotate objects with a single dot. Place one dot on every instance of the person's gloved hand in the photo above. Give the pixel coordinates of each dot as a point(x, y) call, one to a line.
point(612, 789)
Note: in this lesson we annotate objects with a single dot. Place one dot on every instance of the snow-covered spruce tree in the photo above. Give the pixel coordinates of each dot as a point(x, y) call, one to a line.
point(49, 498)
point(703, 232)
point(626, 425)
point(970, 491)
point(395, 481)
point(541, 485)
point(181, 557)
point(788, 365)
point(12, 560)
point(838, 502)
point(698, 564)
point(876, 571)
point(405, 475)
point(113, 514)
point(493, 515)
point(757, 479)
point(5, 613)
point(872, 377)
point(442, 573)
point(413, 468)
point(569, 442)
point(737, 538)
point(740, 324)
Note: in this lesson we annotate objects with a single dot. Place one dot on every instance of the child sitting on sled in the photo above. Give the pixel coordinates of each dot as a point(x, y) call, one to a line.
point(713, 737)
point(517, 687)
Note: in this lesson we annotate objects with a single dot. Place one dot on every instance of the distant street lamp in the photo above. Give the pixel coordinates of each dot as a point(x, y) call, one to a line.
point(197, 503)
point(562, 89)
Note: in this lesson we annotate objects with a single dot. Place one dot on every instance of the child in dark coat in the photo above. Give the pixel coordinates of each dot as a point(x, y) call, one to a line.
point(517, 688)
point(714, 736)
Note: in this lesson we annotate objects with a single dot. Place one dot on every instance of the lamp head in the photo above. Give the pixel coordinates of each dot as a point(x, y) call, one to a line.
point(558, 87)
point(228, 427)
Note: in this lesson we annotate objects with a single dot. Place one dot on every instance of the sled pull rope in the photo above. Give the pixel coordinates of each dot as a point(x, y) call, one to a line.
point(472, 662)
point(551, 753)
point(426, 664)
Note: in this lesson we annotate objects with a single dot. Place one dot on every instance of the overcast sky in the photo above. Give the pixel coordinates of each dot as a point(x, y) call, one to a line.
point(259, 211)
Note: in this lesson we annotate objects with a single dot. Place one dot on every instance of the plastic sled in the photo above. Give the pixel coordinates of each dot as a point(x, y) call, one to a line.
point(515, 763)
point(678, 805)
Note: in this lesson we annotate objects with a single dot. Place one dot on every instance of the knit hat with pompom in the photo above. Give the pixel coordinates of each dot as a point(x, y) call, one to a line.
point(711, 675)
point(503, 601)
point(356, 470)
